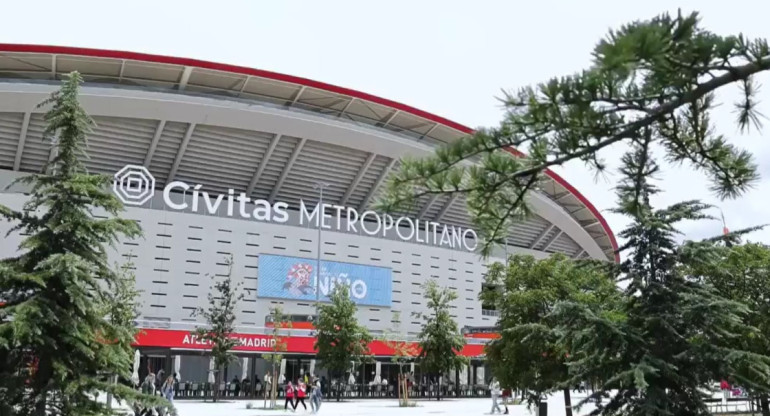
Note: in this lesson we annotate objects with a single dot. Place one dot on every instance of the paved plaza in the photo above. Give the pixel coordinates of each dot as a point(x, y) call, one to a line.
point(378, 407)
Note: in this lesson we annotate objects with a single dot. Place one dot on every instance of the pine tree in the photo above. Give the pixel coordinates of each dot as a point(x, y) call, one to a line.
point(528, 355)
point(675, 335)
point(220, 320)
point(53, 330)
point(122, 308)
point(340, 339)
point(440, 339)
point(741, 272)
point(650, 81)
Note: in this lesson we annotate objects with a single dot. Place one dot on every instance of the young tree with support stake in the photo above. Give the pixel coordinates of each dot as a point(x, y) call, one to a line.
point(220, 320)
point(55, 293)
point(651, 85)
point(277, 346)
point(340, 339)
point(404, 352)
point(440, 338)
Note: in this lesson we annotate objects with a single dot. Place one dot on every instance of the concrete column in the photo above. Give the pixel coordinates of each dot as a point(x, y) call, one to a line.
point(178, 367)
point(211, 378)
point(244, 367)
point(464, 375)
point(168, 365)
point(252, 373)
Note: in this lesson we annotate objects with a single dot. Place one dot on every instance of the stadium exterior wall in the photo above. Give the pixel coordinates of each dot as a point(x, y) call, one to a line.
point(180, 249)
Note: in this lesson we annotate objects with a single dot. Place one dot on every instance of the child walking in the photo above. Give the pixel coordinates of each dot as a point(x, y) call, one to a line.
point(289, 398)
point(300, 394)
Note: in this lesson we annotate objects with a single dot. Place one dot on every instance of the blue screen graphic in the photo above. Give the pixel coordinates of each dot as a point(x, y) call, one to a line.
point(295, 278)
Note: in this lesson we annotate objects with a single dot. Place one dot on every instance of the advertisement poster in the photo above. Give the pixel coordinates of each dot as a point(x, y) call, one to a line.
point(295, 278)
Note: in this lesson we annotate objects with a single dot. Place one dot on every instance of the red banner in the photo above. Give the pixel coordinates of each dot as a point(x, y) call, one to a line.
point(165, 338)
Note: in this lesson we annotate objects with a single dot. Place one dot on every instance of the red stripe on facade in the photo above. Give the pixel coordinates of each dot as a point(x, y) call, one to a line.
point(165, 338)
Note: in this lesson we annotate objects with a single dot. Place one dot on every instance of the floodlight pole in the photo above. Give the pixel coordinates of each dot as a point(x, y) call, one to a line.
point(320, 186)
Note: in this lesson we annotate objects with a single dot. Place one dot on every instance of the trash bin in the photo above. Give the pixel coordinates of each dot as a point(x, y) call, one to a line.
point(542, 409)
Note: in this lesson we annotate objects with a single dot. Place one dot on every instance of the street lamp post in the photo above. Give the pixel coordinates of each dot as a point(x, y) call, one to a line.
point(320, 186)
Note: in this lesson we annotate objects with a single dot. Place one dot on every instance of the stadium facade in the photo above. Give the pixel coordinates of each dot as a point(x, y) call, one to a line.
point(219, 161)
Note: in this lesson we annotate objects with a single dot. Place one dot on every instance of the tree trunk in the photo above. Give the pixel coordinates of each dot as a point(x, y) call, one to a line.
point(398, 388)
point(567, 402)
point(109, 395)
point(217, 382)
point(41, 377)
point(339, 385)
point(273, 388)
point(765, 406)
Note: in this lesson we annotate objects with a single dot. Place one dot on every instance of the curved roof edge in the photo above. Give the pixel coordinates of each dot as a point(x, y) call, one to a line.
point(163, 59)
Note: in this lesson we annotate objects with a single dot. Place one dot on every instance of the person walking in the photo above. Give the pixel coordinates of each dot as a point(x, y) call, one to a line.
point(725, 387)
point(494, 390)
point(315, 396)
point(159, 380)
point(147, 387)
point(300, 394)
point(167, 391)
point(289, 398)
point(268, 384)
point(506, 397)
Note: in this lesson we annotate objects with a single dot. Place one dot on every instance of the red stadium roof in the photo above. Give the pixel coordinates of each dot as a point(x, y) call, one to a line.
point(561, 188)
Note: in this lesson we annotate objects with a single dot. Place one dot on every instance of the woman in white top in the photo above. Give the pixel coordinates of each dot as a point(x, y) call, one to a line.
point(494, 390)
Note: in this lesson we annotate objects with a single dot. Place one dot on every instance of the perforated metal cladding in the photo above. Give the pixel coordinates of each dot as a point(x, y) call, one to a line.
point(547, 240)
point(180, 251)
point(436, 205)
point(223, 158)
point(564, 244)
point(368, 180)
point(115, 142)
point(335, 165)
point(523, 234)
point(36, 152)
point(527, 231)
point(166, 150)
point(275, 166)
point(10, 128)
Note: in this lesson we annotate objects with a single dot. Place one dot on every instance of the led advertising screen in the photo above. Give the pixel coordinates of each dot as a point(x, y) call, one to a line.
point(295, 278)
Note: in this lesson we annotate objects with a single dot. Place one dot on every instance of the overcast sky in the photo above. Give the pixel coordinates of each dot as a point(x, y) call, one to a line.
point(449, 58)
